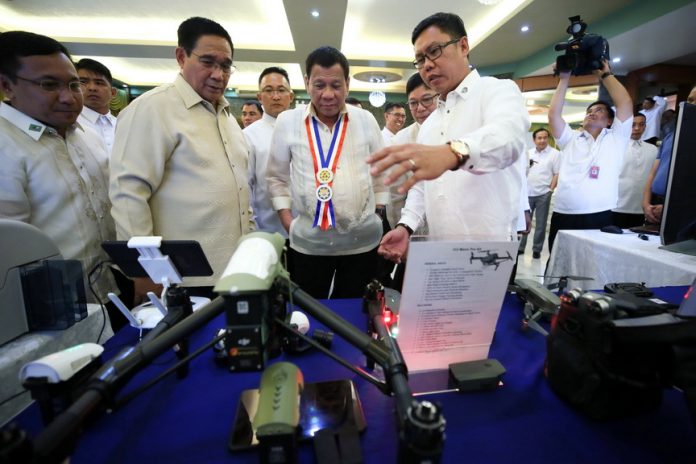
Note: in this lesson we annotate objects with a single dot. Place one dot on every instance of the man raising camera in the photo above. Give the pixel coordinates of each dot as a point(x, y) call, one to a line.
point(591, 158)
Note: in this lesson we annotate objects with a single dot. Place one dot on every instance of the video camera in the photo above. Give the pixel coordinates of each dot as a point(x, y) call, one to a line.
point(583, 52)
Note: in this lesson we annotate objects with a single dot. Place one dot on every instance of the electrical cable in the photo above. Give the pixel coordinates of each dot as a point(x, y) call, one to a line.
point(7, 400)
point(128, 397)
point(92, 280)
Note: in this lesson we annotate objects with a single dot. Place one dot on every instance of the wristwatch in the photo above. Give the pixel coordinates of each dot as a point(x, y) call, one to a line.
point(408, 229)
point(461, 151)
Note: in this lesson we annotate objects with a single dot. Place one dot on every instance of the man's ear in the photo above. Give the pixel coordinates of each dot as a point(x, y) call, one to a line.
point(181, 55)
point(6, 87)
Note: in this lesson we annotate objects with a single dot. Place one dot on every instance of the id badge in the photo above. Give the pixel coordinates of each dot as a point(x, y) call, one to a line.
point(594, 172)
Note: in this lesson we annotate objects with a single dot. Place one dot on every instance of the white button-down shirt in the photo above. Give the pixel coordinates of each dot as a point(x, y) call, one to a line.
point(637, 163)
point(58, 185)
point(588, 178)
point(542, 166)
point(653, 118)
point(102, 124)
point(258, 136)
point(388, 136)
point(483, 196)
point(291, 181)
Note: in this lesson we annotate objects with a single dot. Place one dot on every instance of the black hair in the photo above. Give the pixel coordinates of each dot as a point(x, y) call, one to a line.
point(391, 105)
point(19, 44)
point(638, 113)
point(610, 112)
point(193, 28)
point(326, 57)
point(353, 101)
point(274, 70)
point(541, 129)
point(414, 82)
point(255, 103)
point(94, 66)
point(449, 23)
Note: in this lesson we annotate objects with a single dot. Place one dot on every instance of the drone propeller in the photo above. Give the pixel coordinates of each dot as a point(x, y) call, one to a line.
point(571, 277)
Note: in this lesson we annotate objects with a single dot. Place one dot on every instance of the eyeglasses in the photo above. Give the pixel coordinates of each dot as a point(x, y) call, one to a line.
point(425, 102)
point(282, 91)
point(52, 85)
point(433, 53)
point(226, 67)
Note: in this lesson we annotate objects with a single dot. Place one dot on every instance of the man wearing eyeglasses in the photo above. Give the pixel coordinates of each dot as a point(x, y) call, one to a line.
point(394, 117)
point(468, 149)
point(275, 95)
point(422, 100)
point(51, 176)
point(179, 165)
point(97, 90)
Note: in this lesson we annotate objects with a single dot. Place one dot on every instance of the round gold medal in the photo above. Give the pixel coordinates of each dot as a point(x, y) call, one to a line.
point(324, 193)
point(324, 176)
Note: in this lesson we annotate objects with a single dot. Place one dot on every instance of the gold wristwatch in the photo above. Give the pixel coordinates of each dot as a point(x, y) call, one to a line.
point(461, 151)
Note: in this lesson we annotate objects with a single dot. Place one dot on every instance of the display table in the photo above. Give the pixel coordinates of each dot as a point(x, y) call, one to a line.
point(34, 345)
point(189, 420)
point(609, 258)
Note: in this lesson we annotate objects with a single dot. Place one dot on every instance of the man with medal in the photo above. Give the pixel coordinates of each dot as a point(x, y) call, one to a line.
point(590, 160)
point(317, 169)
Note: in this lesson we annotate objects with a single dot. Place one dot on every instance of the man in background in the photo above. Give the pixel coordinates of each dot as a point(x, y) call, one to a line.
point(251, 112)
point(97, 90)
point(49, 165)
point(353, 101)
point(591, 158)
point(655, 188)
point(276, 95)
point(542, 177)
point(394, 117)
point(638, 160)
point(422, 100)
point(179, 165)
point(653, 107)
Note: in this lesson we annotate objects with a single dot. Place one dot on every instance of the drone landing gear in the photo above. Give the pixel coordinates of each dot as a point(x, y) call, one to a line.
point(531, 318)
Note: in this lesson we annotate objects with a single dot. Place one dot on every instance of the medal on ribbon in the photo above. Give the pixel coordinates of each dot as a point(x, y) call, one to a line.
point(325, 168)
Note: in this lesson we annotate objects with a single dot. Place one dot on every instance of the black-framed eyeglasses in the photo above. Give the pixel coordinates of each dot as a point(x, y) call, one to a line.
point(226, 67)
point(433, 53)
point(52, 85)
point(425, 102)
point(282, 91)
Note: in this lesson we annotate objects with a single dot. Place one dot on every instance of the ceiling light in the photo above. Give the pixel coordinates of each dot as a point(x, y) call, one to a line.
point(377, 98)
point(524, 28)
point(616, 60)
point(314, 13)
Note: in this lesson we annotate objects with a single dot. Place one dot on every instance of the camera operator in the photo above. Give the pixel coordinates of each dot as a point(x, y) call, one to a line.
point(591, 158)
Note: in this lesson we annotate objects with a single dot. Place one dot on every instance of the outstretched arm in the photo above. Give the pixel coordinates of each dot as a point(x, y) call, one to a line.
point(556, 122)
point(617, 92)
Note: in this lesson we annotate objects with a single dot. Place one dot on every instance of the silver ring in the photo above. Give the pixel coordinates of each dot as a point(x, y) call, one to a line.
point(413, 164)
